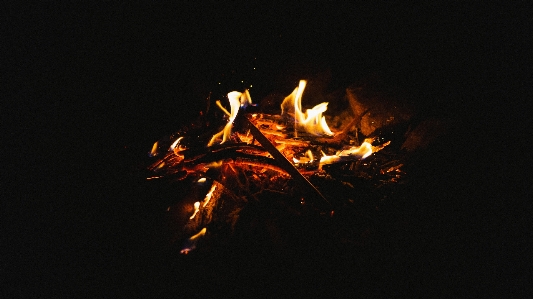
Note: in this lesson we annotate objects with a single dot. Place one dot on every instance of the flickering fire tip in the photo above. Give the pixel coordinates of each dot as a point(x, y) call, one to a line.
point(285, 164)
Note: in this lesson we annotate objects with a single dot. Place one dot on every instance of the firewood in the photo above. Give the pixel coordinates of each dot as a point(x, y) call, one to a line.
point(376, 109)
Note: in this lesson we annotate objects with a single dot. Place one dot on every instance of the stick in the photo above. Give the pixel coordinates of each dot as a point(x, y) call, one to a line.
point(306, 186)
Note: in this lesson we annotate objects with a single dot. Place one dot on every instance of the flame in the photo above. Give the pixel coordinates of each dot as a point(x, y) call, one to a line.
point(199, 234)
point(363, 151)
point(312, 120)
point(175, 143)
point(329, 159)
point(196, 209)
point(236, 100)
point(245, 98)
point(222, 108)
point(308, 158)
point(153, 152)
point(176, 147)
point(190, 244)
point(214, 164)
point(209, 194)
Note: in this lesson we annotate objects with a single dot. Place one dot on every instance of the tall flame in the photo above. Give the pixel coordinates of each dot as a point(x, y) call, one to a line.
point(153, 152)
point(196, 209)
point(312, 120)
point(236, 100)
point(209, 194)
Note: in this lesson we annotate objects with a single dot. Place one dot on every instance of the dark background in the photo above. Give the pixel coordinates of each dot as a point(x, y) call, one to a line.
point(88, 88)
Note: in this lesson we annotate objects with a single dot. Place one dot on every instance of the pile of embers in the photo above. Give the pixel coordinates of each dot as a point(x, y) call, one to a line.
point(246, 174)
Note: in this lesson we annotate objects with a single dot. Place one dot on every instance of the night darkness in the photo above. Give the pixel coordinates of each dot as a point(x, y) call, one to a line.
point(89, 88)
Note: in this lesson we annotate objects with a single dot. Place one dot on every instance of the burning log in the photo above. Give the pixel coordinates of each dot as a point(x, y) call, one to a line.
point(193, 218)
point(285, 164)
point(289, 154)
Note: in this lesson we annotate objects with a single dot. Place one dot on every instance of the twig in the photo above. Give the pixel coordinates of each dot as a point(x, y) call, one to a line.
point(307, 187)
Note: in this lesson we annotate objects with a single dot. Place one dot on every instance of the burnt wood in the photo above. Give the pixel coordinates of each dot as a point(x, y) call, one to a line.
point(307, 187)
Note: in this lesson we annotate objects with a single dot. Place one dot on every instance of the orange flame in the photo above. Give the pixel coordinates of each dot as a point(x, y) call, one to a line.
point(175, 143)
point(209, 194)
point(308, 158)
point(363, 151)
point(199, 234)
point(153, 152)
point(190, 244)
point(236, 100)
point(196, 209)
point(312, 120)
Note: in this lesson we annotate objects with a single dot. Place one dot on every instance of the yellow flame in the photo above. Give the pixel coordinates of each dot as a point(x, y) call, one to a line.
point(175, 143)
point(199, 234)
point(192, 241)
point(214, 164)
point(209, 194)
point(222, 108)
point(309, 154)
point(363, 151)
point(312, 120)
point(308, 158)
point(196, 209)
point(245, 98)
point(153, 152)
point(236, 100)
point(329, 159)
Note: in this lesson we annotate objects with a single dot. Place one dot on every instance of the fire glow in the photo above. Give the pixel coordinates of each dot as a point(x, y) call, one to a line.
point(282, 133)
point(196, 209)
point(363, 151)
point(312, 120)
point(209, 194)
point(190, 243)
point(236, 100)
point(249, 155)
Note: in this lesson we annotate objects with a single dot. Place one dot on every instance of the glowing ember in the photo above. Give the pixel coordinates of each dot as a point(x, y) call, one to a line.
point(264, 159)
point(312, 120)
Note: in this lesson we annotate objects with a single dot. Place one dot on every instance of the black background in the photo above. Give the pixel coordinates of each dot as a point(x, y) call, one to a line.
point(88, 88)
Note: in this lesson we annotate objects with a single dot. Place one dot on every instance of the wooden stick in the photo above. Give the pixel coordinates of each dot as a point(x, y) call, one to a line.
point(306, 186)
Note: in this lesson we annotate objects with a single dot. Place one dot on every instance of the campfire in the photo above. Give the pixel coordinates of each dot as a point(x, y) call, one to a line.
point(309, 161)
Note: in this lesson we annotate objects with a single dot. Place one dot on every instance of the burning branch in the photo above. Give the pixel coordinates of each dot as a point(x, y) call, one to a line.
point(256, 157)
point(285, 164)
